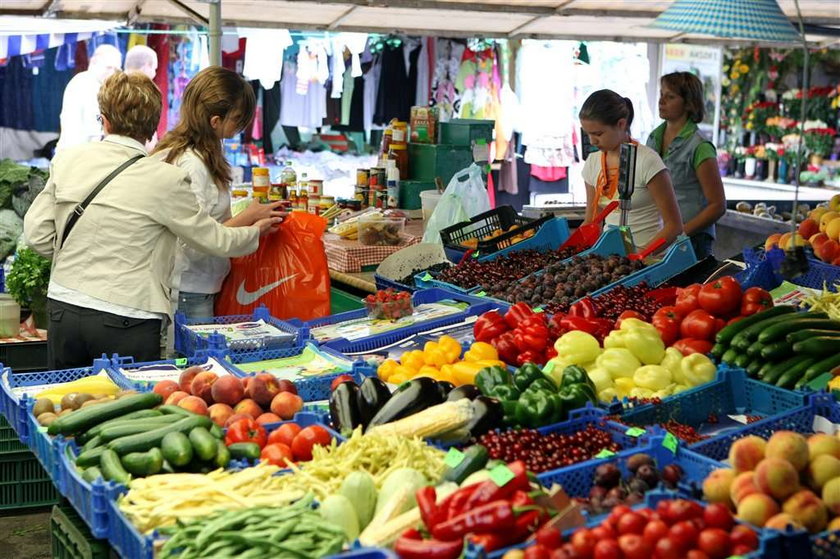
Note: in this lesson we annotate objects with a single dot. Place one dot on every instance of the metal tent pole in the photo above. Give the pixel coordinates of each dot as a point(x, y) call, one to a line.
point(215, 32)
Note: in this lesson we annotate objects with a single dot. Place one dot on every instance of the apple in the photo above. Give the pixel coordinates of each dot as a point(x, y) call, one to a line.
point(202, 386)
point(227, 390)
point(165, 388)
point(249, 408)
point(187, 376)
point(220, 413)
point(828, 250)
point(286, 405)
point(262, 388)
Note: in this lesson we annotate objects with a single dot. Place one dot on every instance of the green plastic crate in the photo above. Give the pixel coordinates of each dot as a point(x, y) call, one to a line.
point(464, 131)
point(341, 301)
point(410, 193)
point(24, 483)
point(71, 539)
point(427, 161)
point(9, 441)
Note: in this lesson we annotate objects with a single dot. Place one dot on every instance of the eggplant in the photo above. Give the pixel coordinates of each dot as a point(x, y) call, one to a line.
point(445, 388)
point(344, 408)
point(411, 397)
point(489, 415)
point(373, 393)
point(468, 391)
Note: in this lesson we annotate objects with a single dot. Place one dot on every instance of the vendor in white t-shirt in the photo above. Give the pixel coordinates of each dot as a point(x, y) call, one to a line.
point(606, 117)
point(79, 106)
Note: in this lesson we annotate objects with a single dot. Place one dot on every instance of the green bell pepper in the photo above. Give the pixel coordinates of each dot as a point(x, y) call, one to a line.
point(574, 374)
point(525, 375)
point(535, 409)
point(576, 396)
point(489, 378)
point(544, 384)
point(504, 392)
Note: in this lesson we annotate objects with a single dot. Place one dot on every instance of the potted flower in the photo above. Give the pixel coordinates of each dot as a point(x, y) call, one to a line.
point(27, 283)
point(760, 162)
point(749, 163)
point(819, 139)
point(772, 151)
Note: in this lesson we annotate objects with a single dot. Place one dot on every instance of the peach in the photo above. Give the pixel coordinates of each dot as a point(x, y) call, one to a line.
point(772, 240)
point(817, 213)
point(789, 446)
point(269, 418)
point(808, 509)
point(286, 405)
point(833, 229)
point(236, 417)
point(187, 376)
point(287, 386)
point(194, 404)
point(746, 453)
point(220, 413)
point(791, 241)
point(742, 485)
point(202, 386)
point(777, 478)
point(817, 239)
point(827, 218)
point(249, 408)
point(262, 388)
point(828, 250)
point(834, 525)
point(834, 203)
point(165, 388)
point(227, 390)
point(831, 496)
point(781, 522)
point(175, 397)
point(808, 228)
point(822, 443)
point(822, 469)
point(757, 509)
point(836, 261)
point(717, 484)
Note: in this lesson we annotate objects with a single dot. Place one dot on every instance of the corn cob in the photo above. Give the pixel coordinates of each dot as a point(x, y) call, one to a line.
point(430, 422)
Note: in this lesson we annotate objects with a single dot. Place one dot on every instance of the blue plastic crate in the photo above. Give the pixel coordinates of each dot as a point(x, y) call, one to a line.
point(188, 342)
point(819, 275)
point(126, 540)
point(90, 500)
point(476, 306)
point(762, 269)
point(731, 393)
point(366, 553)
point(118, 362)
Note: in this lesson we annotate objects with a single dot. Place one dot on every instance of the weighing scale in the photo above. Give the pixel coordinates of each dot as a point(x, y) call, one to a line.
point(626, 186)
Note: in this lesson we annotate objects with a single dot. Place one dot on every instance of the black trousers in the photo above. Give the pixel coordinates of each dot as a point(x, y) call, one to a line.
point(77, 336)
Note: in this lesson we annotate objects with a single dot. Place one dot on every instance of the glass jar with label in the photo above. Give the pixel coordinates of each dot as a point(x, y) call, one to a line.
point(399, 153)
point(316, 187)
point(261, 181)
point(313, 204)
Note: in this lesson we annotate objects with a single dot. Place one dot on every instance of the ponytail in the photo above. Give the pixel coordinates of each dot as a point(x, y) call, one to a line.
point(608, 107)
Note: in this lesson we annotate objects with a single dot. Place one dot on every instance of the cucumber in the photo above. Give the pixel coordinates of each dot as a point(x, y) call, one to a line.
point(796, 372)
point(142, 464)
point(167, 468)
point(475, 458)
point(745, 337)
point(85, 418)
point(112, 468)
point(777, 351)
point(203, 443)
point(93, 431)
point(726, 334)
point(779, 331)
point(247, 451)
point(730, 355)
point(821, 346)
point(803, 335)
point(135, 427)
point(718, 350)
point(754, 349)
point(91, 474)
point(170, 409)
point(742, 360)
point(818, 368)
point(145, 441)
point(764, 369)
point(90, 457)
point(92, 443)
point(217, 432)
point(755, 366)
point(222, 458)
point(777, 370)
point(177, 449)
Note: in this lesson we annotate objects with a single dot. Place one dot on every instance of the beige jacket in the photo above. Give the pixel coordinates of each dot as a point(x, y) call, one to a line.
point(122, 249)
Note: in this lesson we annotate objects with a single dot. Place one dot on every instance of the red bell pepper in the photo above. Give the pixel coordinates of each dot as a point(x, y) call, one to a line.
point(585, 308)
point(529, 356)
point(531, 337)
point(488, 326)
point(489, 541)
point(409, 548)
point(555, 329)
point(456, 505)
point(598, 327)
point(487, 491)
point(506, 347)
point(494, 516)
point(550, 353)
point(426, 499)
point(517, 313)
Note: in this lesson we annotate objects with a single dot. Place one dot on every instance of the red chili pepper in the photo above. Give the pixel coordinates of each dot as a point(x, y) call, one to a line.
point(426, 499)
point(455, 505)
point(412, 534)
point(408, 548)
point(506, 347)
point(585, 308)
point(488, 326)
point(517, 313)
point(495, 516)
point(487, 491)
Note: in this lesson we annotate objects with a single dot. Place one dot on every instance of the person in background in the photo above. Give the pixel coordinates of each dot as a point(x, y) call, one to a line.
point(141, 58)
point(109, 289)
point(79, 107)
point(690, 158)
point(606, 118)
point(217, 104)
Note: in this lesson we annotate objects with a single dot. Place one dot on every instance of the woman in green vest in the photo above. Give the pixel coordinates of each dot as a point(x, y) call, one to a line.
point(690, 158)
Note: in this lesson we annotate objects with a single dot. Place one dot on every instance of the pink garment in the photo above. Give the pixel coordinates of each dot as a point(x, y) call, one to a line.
point(549, 174)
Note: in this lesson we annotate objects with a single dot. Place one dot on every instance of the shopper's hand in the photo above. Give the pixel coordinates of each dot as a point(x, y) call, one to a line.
point(258, 210)
point(268, 224)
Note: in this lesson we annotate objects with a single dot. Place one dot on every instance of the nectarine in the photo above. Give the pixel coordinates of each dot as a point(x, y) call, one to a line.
point(227, 390)
point(249, 408)
point(194, 404)
point(187, 376)
point(202, 386)
point(286, 405)
point(165, 388)
point(262, 388)
point(220, 413)
point(175, 397)
point(808, 228)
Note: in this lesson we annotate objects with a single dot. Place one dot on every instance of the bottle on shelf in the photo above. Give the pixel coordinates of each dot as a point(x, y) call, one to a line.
point(288, 176)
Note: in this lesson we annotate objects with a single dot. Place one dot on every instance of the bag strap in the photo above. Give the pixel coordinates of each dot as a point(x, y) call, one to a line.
point(79, 210)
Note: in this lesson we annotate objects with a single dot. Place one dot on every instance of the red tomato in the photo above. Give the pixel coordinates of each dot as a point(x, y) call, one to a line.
point(655, 531)
point(616, 513)
point(277, 454)
point(687, 346)
point(720, 297)
point(550, 537)
point(339, 379)
point(583, 542)
point(696, 554)
point(537, 552)
point(306, 439)
point(699, 325)
point(682, 509)
point(667, 320)
point(687, 298)
point(684, 534)
point(245, 430)
point(631, 523)
point(603, 532)
point(606, 549)
point(718, 515)
point(284, 434)
point(754, 300)
point(629, 314)
point(666, 548)
point(734, 319)
point(744, 535)
point(634, 546)
point(715, 543)
point(741, 549)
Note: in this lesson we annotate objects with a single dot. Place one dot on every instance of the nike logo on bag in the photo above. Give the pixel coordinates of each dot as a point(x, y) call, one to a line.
point(245, 297)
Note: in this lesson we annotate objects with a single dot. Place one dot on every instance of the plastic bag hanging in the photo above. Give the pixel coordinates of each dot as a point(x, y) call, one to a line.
point(464, 197)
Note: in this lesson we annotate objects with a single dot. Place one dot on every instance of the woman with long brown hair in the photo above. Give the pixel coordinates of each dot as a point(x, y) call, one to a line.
point(217, 104)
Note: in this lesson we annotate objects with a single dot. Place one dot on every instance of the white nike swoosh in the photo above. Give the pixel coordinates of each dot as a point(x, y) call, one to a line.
point(245, 297)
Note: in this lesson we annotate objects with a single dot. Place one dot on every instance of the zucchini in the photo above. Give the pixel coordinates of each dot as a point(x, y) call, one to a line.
point(142, 464)
point(474, 459)
point(745, 337)
point(779, 331)
point(112, 468)
point(818, 368)
point(742, 360)
point(91, 474)
point(203, 443)
point(754, 349)
point(92, 443)
point(85, 418)
point(90, 457)
point(726, 334)
point(93, 431)
point(177, 449)
point(792, 375)
point(222, 458)
point(777, 351)
point(730, 355)
point(803, 335)
point(171, 409)
point(778, 369)
point(821, 346)
point(144, 441)
point(247, 451)
point(136, 426)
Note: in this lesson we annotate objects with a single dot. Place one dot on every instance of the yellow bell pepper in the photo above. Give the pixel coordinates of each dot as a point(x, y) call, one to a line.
point(834, 384)
point(481, 350)
point(697, 369)
point(618, 362)
point(450, 347)
point(671, 361)
point(464, 372)
point(436, 357)
point(640, 392)
point(641, 338)
point(428, 371)
point(601, 378)
point(623, 386)
point(577, 347)
point(652, 377)
point(413, 359)
point(386, 369)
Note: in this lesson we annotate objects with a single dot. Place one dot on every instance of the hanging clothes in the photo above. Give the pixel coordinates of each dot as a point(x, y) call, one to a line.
point(371, 91)
point(425, 66)
point(264, 54)
point(395, 92)
point(160, 44)
point(307, 110)
point(444, 94)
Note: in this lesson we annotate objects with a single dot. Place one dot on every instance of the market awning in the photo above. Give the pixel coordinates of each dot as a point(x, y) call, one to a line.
point(566, 19)
point(24, 35)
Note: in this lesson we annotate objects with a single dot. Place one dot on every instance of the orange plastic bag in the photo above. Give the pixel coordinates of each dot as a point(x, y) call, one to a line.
point(288, 273)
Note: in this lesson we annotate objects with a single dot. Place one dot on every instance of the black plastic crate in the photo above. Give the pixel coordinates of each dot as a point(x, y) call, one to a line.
point(71, 539)
point(503, 217)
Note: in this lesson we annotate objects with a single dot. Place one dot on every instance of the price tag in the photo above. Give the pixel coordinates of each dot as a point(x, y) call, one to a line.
point(501, 475)
point(453, 458)
point(539, 310)
point(481, 294)
point(181, 362)
point(426, 277)
point(605, 453)
point(634, 432)
point(670, 442)
point(476, 254)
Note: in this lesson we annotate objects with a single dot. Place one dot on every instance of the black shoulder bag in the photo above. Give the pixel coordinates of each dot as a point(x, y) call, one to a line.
point(79, 210)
